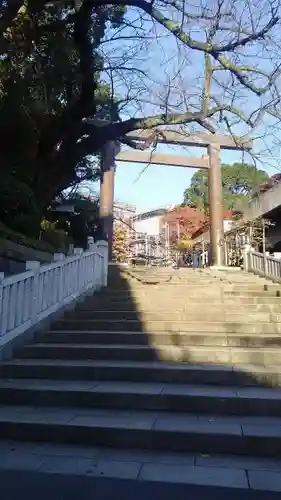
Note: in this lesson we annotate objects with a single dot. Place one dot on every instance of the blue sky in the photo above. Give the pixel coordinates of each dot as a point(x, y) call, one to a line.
point(161, 185)
point(161, 60)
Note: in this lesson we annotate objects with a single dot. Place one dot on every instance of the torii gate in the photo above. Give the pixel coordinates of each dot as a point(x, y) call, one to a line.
point(211, 162)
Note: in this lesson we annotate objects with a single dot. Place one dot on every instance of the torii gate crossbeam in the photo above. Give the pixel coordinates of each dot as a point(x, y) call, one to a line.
point(214, 143)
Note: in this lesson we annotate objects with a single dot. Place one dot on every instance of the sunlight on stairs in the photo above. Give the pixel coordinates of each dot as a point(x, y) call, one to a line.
point(166, 375)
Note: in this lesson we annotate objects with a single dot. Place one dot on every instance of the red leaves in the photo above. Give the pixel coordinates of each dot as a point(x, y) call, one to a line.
point(183, 222)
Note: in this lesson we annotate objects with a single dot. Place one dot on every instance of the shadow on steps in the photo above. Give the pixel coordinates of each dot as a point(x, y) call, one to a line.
point(220, 405)
point(60, 487)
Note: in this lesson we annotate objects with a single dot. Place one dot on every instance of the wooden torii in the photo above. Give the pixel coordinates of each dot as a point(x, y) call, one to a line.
point(211, 162)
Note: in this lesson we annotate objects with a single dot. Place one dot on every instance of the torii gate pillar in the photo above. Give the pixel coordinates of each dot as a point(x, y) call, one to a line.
point(216, 206)
point(110, 150)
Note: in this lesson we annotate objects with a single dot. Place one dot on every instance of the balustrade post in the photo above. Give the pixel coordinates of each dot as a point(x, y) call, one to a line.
point(102, 248)
point(70, 249)
point(60, 257)
point(33, 265)
point(265, 263)
point(247, 257)
point(2, 319)
point(203, 260)
point(91, 243)
point(78, 252)
point(92, 246)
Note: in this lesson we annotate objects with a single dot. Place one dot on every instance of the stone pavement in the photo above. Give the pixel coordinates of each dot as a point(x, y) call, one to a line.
point(34, 486)
point(228, 471)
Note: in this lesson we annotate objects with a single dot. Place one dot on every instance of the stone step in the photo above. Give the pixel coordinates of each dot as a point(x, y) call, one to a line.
point(182, 273)
point(256, 402)
point(147, 430)
point(252, 293)
point(233, 325)
point(162, 338)
point(152, 305)
point(174, 278)
point(221, 314)
point(149, 279)
point(165, 307)
point(176, 308)
point(133, 371)
point(197, 285)
point(208, 294)
point(243, 476)
point(176, 275)
point(131, 302)
point(170, 372)
point(188, 354)
point(186, 292)
point(178, 285)
point(233, 277)
point(142, 307)
point(203, 289)
point(238, 473)
point(190, 364)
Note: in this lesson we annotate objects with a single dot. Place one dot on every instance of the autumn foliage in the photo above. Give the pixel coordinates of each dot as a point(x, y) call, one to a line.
point(183, 222)
point(120, 244)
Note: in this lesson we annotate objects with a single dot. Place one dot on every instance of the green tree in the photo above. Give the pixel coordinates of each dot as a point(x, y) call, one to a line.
point(239, 182)
point(80, 223)
point(49, 82)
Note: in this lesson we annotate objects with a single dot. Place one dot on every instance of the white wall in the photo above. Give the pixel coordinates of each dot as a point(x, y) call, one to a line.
point(227, 224)
point(263, 203)
point(151, 226)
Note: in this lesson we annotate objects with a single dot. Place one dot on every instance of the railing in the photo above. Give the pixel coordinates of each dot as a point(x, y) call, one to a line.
point(262, 264)
point(199, 258)
point(28, 298)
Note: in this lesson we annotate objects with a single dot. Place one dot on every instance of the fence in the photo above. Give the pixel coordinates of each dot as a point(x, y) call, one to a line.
point(261, 264)
point(28, 298)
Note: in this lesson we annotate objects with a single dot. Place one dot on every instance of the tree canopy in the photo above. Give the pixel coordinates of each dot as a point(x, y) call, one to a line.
point(77, 73)
point(49, 72)
point(239, 182)
point(182, 222)
point(120, 244)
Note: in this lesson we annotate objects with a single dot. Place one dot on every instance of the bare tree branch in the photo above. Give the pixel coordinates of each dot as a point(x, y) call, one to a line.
point(169, 62)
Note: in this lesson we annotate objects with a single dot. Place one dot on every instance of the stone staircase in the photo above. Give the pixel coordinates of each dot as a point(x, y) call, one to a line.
point(167, 375)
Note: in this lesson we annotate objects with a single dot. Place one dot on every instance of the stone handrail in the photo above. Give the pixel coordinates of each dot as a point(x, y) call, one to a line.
point(42, 290)
point(262, 264)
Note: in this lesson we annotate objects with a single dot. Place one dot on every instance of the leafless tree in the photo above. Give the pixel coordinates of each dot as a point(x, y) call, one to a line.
point(195, 64)
point(209, 65)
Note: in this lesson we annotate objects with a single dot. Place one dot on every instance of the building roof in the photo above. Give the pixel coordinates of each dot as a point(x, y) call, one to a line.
point(152, 213)
point(227, 215)
point(184, 213)
point(124, 206)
